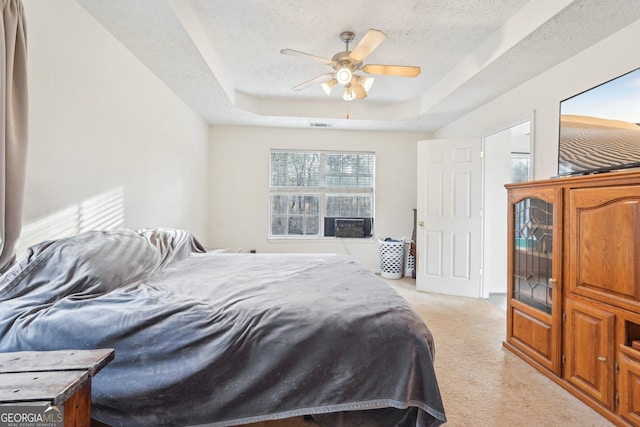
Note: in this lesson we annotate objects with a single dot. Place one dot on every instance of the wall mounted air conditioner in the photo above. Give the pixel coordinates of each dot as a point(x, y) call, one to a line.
point(347, 227)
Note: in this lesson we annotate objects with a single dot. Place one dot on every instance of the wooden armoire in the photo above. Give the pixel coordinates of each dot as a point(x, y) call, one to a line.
point(573, 306)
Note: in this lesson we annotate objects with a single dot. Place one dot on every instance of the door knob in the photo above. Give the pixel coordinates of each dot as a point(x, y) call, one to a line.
point(421, 223)
point(602, 359)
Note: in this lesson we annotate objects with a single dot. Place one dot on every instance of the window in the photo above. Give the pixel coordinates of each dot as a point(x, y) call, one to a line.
point(520, 167)
point(313, 193)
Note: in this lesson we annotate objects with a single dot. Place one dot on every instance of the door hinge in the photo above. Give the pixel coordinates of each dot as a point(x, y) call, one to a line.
point(617, 399)
point(617, 367)
point(564, 317)
point(564, 359)
point(482, 154)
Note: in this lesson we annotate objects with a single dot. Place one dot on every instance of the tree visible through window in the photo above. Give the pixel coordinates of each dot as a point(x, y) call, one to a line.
point(310, 190)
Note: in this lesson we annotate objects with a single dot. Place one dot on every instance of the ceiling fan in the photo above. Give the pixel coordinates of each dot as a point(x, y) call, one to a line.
point(347, 63)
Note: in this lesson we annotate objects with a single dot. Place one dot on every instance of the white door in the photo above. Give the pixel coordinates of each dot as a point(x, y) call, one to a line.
point(449, 223)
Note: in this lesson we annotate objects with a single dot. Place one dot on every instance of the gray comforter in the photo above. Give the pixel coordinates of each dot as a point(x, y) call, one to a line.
point(223, 339)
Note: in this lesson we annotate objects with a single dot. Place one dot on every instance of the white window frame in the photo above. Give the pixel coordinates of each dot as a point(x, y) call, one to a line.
point(320, 191)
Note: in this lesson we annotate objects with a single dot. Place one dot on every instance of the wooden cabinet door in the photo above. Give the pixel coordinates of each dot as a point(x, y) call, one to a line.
point(589, 350)
point(604, 238)
point(629, 389)
point(534, 273)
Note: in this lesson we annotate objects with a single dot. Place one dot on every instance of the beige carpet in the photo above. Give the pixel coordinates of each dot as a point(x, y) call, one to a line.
point(482, 384)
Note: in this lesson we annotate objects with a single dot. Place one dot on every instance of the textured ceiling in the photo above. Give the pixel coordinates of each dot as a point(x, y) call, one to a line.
point(223, 58)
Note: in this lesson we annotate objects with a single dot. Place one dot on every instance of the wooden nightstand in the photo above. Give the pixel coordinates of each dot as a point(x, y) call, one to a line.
point(52, 378)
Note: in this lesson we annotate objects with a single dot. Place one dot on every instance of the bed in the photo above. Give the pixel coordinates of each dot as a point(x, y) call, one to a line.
point(223, 339)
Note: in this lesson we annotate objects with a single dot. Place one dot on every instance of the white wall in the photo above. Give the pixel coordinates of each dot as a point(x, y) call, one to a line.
point(610, 58)
point(240, 186)
point(100, 120)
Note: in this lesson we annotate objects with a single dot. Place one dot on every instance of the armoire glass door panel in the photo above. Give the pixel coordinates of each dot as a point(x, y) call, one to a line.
point(533, 253)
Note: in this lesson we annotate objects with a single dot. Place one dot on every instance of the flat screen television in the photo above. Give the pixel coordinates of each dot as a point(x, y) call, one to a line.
point(600, 128)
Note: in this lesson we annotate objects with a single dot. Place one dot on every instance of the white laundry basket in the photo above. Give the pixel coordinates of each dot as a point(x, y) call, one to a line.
point(391, 258)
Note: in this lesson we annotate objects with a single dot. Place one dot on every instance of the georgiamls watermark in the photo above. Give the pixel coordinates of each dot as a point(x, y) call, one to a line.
point(31, 415)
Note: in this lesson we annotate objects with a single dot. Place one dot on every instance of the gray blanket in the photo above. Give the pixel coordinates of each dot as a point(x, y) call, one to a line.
point(223, 339)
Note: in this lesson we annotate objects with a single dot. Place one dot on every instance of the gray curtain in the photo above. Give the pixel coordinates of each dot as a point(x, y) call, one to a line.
point(13, 125)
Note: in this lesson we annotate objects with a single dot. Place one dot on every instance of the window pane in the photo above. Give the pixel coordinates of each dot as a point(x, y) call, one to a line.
point(349, 206)
point(295, 169)
point(365, 207)
point(278, 225)
point(278, 204)
point(296, 205)
point(312, 204)
point(519, 168)
point(300, 214)
point(349, 170)
point(295, 225)
point(332, 208)
point(312, 226)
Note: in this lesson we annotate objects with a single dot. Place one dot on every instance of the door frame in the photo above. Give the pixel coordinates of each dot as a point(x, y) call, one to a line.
point(515, 121)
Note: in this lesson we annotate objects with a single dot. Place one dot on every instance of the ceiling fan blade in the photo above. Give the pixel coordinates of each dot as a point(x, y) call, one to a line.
point(320, 79)
point(358, 89)
point(369, 42)
point(306, 55)
point(392, 70)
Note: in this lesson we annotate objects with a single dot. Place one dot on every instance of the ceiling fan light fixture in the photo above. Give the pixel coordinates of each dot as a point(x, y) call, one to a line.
point(365, 82)
point(343, 75)
point(368, 82)
point(327, 86)
point(349, 94)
